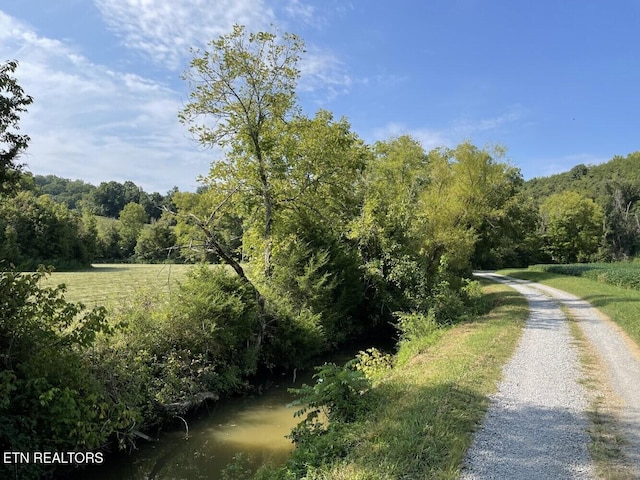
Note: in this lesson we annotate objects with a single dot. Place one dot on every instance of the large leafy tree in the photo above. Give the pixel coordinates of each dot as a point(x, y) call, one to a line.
point(388, 229)
point(243, 92)
point(571, 226)
point(132, 220)
point(13, 102)
point(288, 181)
point(37, 230)
point(467, 198)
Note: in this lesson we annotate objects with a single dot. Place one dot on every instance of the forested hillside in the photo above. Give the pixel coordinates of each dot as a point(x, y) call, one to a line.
point(614, 186)
point(70, 223)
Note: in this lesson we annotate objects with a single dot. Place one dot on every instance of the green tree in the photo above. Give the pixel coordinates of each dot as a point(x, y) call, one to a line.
point(468, 190)
point(109, 199)
point(13, 102)
point(243, 91)
point(132, 219)
point(571, 225)
point(157, 242)
point(388, 229)
point(39, 231)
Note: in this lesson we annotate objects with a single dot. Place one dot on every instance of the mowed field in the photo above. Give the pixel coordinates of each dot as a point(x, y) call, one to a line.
point(111, 284)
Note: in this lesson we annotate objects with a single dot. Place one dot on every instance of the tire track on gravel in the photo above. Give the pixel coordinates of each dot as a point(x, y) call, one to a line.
point(536, 424)
point(620, 358)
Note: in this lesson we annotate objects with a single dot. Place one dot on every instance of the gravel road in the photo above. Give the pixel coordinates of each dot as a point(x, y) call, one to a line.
point(535, 427)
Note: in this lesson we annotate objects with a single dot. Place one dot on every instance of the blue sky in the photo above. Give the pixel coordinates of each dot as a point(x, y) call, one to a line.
point(556, 82)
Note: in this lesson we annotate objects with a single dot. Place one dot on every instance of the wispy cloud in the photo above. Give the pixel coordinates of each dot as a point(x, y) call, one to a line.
point(428, 138)
point(301, 11)
point(115, 123)
point(165, 30)
point(544, 167)
point(478, 130)
point(469, 127)
point(98, 123)
point(323, 73)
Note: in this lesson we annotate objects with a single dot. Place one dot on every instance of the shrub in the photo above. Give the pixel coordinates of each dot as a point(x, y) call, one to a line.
point(340, 396)
point(49, 398)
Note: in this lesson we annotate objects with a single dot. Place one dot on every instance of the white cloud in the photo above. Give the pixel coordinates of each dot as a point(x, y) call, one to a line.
point(324, 74)
point(468, 128)
point(96, 124)
point(457, 131)
point(165, 30)
point(100, 123)
point(428, 138)
point(301, 11)
point(544, 167)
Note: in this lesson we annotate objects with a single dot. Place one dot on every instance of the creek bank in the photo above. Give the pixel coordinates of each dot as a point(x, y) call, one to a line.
point(253, 425)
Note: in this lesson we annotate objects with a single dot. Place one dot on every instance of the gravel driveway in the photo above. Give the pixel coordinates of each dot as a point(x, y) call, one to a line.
point(535, 427)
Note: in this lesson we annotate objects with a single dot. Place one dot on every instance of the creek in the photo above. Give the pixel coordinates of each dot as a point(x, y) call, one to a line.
point(255, 426)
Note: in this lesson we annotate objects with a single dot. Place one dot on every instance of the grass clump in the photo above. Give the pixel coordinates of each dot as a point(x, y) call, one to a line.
point(422, 412)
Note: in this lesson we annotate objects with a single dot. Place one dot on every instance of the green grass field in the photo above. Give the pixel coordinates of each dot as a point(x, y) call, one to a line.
point(109, 284)
point(620, 274)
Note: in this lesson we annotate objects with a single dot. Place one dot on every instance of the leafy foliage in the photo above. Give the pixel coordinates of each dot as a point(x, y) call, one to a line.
point(614, 186)
point(571, 227)
point(35, 230)
point(13, 102)
point(340, 396)
point(49, 399)
point(202, 340)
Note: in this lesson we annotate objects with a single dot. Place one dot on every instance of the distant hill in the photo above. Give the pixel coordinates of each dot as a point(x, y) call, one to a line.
point(615, 186)
point(595, 181)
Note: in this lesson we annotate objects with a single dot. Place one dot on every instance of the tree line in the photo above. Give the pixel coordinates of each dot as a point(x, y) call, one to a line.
point(604, 198)
point(71, 224)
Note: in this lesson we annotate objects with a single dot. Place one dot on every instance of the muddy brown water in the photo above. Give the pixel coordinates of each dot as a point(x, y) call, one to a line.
point(255, 426)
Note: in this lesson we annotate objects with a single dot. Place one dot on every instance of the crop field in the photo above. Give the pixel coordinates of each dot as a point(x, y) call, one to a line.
point(622, 274)
point(109, 284)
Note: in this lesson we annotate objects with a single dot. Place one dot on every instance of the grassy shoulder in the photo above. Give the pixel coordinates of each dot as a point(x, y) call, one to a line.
point(605, 431)
point(619, 304)
point(425, 409)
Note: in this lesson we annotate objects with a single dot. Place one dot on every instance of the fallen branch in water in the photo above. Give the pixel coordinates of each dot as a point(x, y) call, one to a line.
point(195, 401)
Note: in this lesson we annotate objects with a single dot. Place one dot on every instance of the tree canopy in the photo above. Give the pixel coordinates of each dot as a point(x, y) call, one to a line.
point(13, 102)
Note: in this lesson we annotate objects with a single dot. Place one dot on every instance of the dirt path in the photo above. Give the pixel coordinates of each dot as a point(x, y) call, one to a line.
point(535, 425)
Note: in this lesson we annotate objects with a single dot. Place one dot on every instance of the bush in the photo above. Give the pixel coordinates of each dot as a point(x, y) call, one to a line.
point(340, 396)
point(203, 339)
point(49, 398)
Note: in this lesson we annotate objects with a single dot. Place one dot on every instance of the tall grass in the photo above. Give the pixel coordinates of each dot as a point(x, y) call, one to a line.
point(622, 274)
